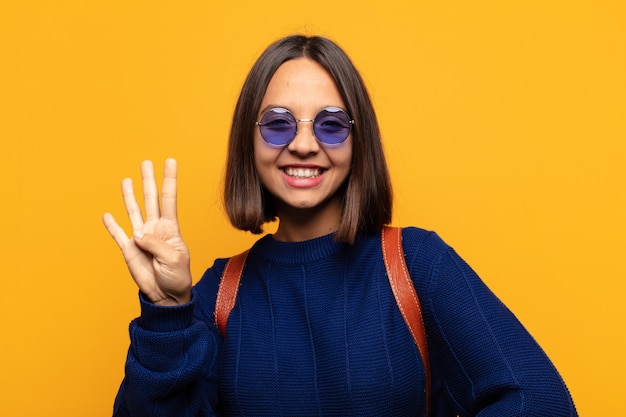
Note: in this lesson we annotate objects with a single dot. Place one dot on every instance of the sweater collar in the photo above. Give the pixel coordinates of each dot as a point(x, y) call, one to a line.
point(297, 252)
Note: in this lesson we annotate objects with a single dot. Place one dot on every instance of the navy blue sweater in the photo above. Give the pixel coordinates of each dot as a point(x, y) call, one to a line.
point(316, 331)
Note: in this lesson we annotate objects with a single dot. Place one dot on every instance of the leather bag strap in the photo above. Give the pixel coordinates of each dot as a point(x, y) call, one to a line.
point(406, 297)
point(227, 291)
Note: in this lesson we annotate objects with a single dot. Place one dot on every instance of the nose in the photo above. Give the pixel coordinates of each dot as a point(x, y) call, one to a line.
point(305, 142)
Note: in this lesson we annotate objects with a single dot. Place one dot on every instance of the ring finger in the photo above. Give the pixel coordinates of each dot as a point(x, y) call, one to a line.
point(132, 208)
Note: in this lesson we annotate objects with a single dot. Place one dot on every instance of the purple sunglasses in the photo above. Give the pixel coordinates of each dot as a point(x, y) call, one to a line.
point(279, 127)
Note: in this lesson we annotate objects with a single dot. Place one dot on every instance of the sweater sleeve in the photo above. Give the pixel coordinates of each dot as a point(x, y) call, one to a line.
point(484, 362)
point(171, 367)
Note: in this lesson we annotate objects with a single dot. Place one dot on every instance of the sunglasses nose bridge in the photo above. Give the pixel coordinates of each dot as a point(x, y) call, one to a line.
point(311, 121)
point(304, 141)
point(304, 121)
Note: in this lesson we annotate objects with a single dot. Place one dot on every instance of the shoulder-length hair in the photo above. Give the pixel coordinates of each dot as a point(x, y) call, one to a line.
point(367, 201)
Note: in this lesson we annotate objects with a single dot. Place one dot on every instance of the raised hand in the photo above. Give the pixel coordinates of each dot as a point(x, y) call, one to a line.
point(156, 255)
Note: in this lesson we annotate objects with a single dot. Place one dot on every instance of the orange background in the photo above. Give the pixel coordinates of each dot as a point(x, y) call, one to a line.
point(504, 124)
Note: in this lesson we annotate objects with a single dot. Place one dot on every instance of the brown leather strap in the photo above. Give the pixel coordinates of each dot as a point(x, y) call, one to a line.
point(227, 292)
point(406, 297)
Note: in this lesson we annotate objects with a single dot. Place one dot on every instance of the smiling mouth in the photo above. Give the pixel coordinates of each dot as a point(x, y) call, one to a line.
point(303, 172)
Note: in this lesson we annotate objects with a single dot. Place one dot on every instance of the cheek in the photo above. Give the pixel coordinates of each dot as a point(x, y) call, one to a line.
point(260, 151)
point(264, 158)
point(343, 156)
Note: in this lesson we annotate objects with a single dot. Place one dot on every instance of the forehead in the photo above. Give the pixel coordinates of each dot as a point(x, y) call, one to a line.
point(302, 85)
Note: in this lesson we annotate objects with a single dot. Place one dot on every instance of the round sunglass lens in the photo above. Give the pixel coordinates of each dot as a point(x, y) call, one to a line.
point(278, 127)
point(332, 126)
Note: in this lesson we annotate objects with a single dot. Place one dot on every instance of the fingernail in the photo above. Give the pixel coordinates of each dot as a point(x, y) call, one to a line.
point(137, 234)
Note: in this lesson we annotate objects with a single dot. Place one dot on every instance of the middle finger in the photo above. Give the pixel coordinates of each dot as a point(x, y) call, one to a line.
point(150, 191)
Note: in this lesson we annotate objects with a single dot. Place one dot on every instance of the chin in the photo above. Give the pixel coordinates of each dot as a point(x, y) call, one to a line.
point(305, 205)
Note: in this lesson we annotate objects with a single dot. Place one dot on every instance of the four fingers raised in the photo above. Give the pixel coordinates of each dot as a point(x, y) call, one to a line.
point(158, 261)
point(166, 209)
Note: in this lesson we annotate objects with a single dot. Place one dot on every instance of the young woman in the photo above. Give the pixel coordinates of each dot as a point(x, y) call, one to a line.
point(315, 330)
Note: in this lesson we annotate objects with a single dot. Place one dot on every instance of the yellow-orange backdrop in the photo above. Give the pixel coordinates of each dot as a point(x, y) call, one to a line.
point(503, 122)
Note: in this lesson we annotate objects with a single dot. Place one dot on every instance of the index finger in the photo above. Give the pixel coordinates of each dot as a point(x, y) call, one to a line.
point(169, 190)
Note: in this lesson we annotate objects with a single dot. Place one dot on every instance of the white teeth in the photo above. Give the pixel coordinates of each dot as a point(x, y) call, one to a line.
point(303, 172)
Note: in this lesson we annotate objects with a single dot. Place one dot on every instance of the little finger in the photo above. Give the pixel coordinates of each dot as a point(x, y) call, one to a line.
point(116, 232)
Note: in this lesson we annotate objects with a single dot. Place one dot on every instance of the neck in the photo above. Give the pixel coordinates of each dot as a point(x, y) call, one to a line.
point(297, 225)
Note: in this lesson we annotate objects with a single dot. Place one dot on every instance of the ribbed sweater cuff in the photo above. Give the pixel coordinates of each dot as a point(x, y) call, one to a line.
point(156, 318)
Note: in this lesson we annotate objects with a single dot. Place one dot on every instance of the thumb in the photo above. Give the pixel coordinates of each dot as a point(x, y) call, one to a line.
point(152, 244)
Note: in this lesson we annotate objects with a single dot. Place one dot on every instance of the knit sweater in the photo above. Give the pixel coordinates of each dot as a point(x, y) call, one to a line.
point(316, 331)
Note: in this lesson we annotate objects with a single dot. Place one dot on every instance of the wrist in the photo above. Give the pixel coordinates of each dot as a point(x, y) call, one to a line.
point(173, 301)
point(165, 318)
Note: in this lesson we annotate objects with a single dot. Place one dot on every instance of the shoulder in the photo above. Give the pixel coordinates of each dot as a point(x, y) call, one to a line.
point(212, 276)
point(426, 255)
point(422, 243)
point(214, 272)
point(205, 290)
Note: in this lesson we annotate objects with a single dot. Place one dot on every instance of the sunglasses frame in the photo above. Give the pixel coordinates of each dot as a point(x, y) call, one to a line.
point(328, 109)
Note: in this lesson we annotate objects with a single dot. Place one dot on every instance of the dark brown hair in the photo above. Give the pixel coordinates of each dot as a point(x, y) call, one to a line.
point(367, 201)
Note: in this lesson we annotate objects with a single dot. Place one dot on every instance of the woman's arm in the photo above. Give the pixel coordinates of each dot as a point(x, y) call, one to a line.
point(484, 361)
point(171, 367)
point(171, 362)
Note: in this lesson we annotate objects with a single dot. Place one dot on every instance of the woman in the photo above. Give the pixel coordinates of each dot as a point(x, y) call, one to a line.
point(315, 330)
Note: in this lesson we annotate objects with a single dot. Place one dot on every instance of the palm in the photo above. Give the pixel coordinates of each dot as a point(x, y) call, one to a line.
point(156, 256)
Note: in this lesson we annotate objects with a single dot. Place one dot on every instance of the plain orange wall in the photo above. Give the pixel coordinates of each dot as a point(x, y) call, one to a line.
point(504, 127)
